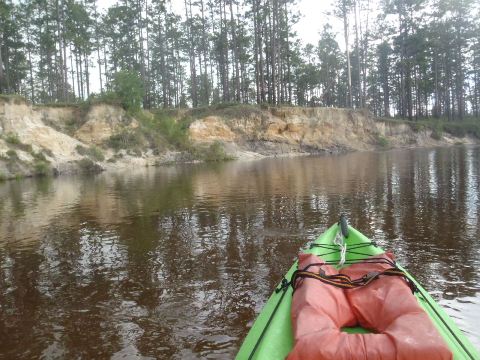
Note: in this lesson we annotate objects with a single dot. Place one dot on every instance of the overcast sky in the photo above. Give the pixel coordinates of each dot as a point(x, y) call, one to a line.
point(312, 18)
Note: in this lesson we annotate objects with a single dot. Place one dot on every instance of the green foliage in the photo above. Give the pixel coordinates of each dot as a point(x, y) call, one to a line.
point(472, 128)
point(157, 131)
point(61, 104)
point(228, 111)
point(214, 152)
point(86, 165)
point(41, 168)
point(469, 126)
point(93, 152)
point(12, 138)
point(128, 86)
point(409, 70)
point(82, 150)
point(437, 132)
point(455, 129)
point(126, 139)
point(3, 177)
point(417, 127)
point(12, 154)
point(16, 99)
point(175, 132)
point(382, 141)
point(96, 153)
point(48, 152)
point(107, 97)
point(39, 156)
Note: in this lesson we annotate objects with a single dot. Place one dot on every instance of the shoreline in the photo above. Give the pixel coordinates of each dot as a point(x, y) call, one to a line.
point(52, 141)
point(155, 164)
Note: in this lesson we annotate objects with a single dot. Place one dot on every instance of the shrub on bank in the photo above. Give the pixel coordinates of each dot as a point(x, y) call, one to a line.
point(458, 128)
point(455, 129)
point(12, 138)
point(39, 156)
point(86, 165)
point(125, 139)
point(437, 132)
point(229, 111)
point(157, 131)
point(93, 151)
point(212, 153)
point(16, 99)
point(128, 87)
point(382, 141)
point(12, 154)
point(41, 168)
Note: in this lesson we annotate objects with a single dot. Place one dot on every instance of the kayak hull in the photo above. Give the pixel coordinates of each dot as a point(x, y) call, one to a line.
point(271, 335)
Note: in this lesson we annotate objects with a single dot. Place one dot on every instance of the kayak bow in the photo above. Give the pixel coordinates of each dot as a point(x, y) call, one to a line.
point(271, 336)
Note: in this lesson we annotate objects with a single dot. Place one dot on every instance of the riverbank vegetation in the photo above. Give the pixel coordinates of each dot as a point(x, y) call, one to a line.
point(469, 126)
point(408, 59)
point(91, 138)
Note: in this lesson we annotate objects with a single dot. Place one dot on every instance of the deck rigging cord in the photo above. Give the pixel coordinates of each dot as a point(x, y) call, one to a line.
point(352, 249)
point(344, 281)
point(340, 241)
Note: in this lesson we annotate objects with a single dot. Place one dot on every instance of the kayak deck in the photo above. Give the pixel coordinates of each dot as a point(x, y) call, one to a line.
point(271, 335)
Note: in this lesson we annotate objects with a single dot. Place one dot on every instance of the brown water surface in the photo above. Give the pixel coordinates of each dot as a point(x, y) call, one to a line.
point(176, 262)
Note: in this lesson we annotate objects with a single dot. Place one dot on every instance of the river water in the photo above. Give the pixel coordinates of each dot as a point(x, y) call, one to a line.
point(176, 262)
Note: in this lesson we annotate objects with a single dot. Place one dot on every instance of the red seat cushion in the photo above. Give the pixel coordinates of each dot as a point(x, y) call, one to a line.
point(387, 307)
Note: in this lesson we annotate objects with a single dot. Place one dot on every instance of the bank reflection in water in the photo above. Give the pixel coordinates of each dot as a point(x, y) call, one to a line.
point(176, 262)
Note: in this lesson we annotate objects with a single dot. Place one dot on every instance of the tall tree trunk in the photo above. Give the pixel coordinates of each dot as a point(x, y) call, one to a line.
point(289, 65)
point(364, 52)
point(256, 50)
point(78, 77)
point(436, 107)
point(347, 51)
point(87, 75)
point(143, 73)
point(62, 86)
point(235, 53)
point(273, 51)
point(193, 72)
point(2, 74)
point(476, 81)
point(360, 92)
point(99, 62)
point(206, 85)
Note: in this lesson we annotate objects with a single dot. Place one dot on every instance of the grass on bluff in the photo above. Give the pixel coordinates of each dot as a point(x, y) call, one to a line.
point(158, 130)
point(228, 111)
point(382, 141)
point(470, 126)
point(88, 166)
point(213, 153)
point(16, 99)
point(93, 152)
point(12, 154)
point(162, 130)
point(41, 168)
point(12, 139)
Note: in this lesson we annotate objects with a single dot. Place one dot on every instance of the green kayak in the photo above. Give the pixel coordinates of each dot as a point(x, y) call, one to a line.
point(271, 335)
